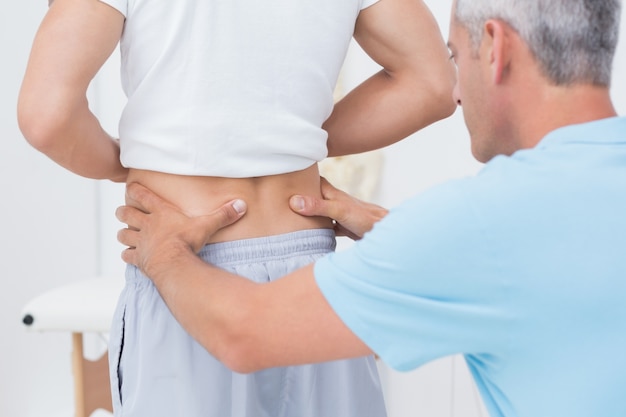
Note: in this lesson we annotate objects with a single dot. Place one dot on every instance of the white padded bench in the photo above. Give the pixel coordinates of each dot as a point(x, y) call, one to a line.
point(85, 306)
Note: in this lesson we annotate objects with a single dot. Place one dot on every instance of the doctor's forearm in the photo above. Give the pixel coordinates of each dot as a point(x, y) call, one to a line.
point(216, 308)
point(250, 326)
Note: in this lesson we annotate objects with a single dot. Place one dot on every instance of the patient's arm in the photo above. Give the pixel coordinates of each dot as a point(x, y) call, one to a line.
point(413, 89)
point(74, 40)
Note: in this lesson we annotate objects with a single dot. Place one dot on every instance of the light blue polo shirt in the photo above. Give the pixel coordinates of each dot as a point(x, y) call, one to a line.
point(521, 268)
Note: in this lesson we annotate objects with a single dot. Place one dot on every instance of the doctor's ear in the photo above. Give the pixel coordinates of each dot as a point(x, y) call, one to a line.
point(497, 38)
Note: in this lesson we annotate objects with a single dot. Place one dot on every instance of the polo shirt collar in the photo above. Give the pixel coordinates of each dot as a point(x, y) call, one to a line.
point(606, 131)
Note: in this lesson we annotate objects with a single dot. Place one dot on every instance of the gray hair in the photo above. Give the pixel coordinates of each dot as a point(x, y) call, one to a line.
point(574, 41)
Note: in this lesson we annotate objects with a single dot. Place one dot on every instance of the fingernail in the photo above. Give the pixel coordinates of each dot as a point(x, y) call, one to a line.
point(239, 206)
point(297, 203)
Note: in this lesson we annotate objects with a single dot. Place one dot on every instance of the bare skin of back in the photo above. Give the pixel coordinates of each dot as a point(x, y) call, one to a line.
point(267, 198)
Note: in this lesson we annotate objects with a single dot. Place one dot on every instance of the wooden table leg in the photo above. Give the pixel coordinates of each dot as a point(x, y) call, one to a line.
point(92, 389)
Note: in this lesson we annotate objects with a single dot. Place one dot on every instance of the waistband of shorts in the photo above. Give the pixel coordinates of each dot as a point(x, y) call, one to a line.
point(268, 248)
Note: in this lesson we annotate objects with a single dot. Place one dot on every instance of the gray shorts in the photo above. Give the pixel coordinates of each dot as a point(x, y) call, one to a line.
point(158, 370)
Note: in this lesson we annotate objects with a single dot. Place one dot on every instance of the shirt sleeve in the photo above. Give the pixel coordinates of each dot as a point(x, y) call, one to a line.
point(119, 5)
point(367, 3)
point(418, 286)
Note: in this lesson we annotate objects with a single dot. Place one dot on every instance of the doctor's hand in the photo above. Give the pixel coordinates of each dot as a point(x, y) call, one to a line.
point(159, 233)
point(353, 217)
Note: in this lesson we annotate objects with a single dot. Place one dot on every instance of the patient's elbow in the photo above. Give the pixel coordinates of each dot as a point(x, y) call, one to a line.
point(441, 88)
point(45, 119)
point(39, 127)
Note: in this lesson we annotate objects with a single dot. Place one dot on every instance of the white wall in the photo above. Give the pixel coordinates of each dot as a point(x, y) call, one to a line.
point(57, 228)
point(49, 230)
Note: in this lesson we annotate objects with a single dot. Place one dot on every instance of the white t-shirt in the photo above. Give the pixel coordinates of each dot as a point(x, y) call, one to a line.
point(230, 88)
